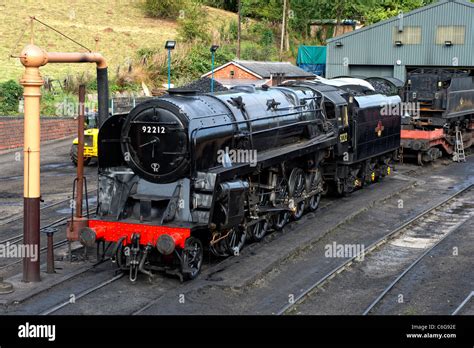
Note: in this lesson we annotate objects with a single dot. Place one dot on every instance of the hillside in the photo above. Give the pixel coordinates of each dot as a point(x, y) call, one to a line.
point(120, 25)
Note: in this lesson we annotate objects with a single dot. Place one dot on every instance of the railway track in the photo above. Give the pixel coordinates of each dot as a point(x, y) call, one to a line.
point(19, 238)
point(379, 299)
point(83, 293)
point(437, 209)
point(463, 303)
point(206, 270)
point(42, 250)
point(169, 285)
point(45, 207)
point(93, 289)
point(57, 223)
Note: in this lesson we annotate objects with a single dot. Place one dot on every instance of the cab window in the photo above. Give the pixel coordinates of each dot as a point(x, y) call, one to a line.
point(330, 110)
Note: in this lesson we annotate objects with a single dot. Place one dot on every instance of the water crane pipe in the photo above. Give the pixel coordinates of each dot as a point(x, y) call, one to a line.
point(33, 57)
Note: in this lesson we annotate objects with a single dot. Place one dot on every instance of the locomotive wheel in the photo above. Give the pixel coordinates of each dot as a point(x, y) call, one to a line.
point(369, 169)
point(258, 231)
point(325, 189)
point(336, 188)
point(120, 256)
point(219, 248)
point(192, 258)
point(419, 158)
point(235, 241)
point(279, 220)
point(349, 186)
point(296, 188)
point(313, 180)
point(313, 202)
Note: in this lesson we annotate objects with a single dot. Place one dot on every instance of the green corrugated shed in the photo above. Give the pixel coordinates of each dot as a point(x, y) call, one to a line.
point(438, 35)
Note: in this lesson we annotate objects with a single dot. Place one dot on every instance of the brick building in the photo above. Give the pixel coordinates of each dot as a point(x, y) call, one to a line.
point(240, 72)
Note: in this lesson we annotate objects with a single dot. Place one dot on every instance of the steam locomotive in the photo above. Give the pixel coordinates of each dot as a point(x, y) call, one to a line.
point(187, 171)
point(444, 113)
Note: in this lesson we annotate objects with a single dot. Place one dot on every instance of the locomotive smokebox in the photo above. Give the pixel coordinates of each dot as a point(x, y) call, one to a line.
point(155, 141)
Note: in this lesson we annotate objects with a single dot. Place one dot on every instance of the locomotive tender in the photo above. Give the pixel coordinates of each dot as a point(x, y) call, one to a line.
point(175, 174)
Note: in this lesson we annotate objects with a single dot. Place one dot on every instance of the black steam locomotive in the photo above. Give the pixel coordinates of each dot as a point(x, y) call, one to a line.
point(443, 105)
point(189, 170)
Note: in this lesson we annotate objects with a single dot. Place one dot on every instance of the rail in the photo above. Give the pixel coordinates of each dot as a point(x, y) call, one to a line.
point(372, 247)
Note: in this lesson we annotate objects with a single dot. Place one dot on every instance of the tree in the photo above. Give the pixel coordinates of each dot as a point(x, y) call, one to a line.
point(271, 10)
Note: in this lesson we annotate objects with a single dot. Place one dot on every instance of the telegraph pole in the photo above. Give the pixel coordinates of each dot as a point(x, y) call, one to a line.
point(283, 29)
point(239, 28)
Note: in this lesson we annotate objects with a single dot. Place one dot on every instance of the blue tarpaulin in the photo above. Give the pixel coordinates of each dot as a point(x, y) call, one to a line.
point(312, 59)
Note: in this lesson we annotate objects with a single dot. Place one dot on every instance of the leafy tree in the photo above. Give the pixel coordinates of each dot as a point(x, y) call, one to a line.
point(377, 10)
point(270, 10)
point(262, 33)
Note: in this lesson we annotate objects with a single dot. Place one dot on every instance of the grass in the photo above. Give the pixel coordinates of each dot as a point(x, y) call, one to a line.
point(120, 25)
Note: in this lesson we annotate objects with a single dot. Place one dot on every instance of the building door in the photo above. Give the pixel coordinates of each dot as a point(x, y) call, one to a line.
point(371, 70)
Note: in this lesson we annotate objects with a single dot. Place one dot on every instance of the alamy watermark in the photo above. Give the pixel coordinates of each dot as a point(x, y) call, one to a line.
point(37, 331)
point(336, 250)
point(230, 156)
point(401, 109)
point(11, 250)
point(70, 108)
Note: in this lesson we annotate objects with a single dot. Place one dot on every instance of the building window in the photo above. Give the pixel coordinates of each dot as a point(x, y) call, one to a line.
point(456, 34)
point(409, 35)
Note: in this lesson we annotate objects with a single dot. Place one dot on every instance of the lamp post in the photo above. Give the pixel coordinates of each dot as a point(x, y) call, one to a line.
point(170, 45)
point(213, 52)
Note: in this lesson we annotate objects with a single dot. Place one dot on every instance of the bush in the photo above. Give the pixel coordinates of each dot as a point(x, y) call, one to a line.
point(193, 25)
point(199, 59)
point(71, 83)
point(233, 29)
point(262, 33)
point(49, 104)
point(253, 51)
point(10, 94)
point(144, 54)
point(228, 32)
point(188, 63)
point(164, 8)
point(228, 5)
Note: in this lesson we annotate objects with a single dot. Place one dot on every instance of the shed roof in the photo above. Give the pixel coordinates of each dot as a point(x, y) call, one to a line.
point(408, 14)
point(264, 70)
